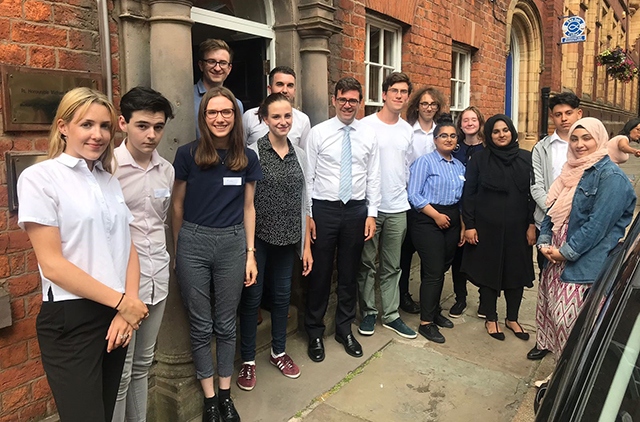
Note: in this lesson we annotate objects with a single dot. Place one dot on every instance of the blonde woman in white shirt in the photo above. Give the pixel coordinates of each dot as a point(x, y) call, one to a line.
point(74, 213)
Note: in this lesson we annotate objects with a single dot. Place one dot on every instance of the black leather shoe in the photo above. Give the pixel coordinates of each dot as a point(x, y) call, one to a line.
point(316, 349)
point(211, 414)
point(442, 321)
point(537, 354)
point(351, 345)
point(408, 305)
point(431, 333)
point(228, 411)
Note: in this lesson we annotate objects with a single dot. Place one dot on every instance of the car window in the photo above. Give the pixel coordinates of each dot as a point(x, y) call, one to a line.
point(615, 395)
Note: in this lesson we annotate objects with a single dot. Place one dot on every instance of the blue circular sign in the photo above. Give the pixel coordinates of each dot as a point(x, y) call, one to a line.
point(573, 27)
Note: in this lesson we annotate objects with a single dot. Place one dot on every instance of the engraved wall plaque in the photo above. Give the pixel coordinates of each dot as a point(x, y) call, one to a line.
point(30, 97)
point(17, 162)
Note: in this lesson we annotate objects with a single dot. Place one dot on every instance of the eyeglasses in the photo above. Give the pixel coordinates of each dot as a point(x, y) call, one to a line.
point(396, 91)
point(429, 105)
point(444, 136)
point(222, 63)
point(226, 113)
point(352, 101)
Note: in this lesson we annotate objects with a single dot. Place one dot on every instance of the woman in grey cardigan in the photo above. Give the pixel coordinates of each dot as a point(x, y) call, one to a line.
point(282, 210)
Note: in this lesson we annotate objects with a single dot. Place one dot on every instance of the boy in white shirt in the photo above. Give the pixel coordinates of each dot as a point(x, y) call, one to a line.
point(146, 179)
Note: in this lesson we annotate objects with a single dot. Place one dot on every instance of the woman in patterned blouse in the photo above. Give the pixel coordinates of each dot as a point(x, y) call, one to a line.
point(281, 217)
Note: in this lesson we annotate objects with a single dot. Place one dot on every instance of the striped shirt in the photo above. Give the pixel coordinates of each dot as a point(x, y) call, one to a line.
point(435, 180)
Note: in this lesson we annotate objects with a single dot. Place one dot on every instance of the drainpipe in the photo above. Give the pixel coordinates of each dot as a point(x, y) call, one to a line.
point(105, 48)
point(544, 115)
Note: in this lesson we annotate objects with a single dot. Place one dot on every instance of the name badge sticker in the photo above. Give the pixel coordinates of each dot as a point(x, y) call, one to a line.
point(462, 178)
point(232, 181)
point(161, 193)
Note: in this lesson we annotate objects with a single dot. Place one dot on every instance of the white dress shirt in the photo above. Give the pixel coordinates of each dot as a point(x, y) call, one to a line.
point(394, 142)
point(559, 149)
point(147, 193)
point(254, 129)
point(422, 141)
point(324, 150)
point(89, 210)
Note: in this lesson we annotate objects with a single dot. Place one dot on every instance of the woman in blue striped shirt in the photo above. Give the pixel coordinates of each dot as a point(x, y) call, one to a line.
point(435, 188)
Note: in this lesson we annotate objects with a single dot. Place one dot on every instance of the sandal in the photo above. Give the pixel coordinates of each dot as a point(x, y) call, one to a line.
point(497, 335)
point(522, 335)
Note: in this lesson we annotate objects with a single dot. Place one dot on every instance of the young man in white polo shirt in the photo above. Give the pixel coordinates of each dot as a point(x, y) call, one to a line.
point(146, 180)
point(282, 79)
point(394, 141)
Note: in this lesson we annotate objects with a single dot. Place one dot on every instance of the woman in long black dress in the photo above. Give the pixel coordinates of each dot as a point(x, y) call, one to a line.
point(499, 227)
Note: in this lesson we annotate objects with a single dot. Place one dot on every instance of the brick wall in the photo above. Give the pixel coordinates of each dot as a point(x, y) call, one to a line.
point(50, 35)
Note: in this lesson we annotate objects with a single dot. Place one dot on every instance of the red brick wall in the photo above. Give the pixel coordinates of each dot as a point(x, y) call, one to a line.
point(51, 35)
point(426, 46)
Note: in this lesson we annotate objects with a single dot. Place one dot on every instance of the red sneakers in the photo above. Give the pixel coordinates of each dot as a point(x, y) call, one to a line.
point(286, 366)
point(247, 377)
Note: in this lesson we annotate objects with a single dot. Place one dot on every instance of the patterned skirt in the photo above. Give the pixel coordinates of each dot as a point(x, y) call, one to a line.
point(559, 303)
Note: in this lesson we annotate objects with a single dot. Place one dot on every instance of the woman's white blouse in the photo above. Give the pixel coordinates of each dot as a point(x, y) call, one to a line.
point(89, 210)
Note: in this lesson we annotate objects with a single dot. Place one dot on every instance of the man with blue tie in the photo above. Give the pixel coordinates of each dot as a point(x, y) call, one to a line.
point(344, 185)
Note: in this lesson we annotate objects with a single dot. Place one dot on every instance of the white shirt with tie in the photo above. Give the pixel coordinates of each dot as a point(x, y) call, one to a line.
point(324, 151)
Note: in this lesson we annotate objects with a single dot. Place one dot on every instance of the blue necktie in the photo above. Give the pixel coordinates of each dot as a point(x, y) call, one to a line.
point(344, 192)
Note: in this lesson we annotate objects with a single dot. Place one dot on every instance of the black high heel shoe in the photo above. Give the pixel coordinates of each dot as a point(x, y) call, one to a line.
point(497, 335)
point(522, 335)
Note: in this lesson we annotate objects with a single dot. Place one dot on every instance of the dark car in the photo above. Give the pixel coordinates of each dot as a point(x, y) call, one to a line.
point(597, 377)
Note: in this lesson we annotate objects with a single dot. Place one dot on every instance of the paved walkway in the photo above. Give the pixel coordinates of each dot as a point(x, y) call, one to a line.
point(470, 377)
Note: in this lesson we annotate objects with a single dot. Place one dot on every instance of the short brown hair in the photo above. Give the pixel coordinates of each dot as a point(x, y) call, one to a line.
point(212, 44)
point(395, 78)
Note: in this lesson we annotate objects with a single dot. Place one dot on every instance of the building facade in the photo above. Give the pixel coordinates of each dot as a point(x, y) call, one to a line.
point(498, 55)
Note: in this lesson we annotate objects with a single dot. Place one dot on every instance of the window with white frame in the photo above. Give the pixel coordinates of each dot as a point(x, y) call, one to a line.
point(383, 53)
point(460, 78)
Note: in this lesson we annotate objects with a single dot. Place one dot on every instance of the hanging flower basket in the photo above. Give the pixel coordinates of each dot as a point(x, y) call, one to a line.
point(618, 63)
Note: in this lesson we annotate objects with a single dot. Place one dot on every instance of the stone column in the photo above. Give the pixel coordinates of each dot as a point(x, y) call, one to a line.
point(315, 27)
point(176, 394)
point(134, 48)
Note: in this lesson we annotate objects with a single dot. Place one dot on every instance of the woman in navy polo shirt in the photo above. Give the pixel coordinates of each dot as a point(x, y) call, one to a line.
point(214, 225)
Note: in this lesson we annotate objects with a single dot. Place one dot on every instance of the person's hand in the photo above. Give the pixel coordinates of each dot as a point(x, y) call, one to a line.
point(369, 228)
point(461, 241)
point(553, 254)
point(134, 311)
point(251, 270)
point(471, 236)
point(443, 221)
point(119, 333)
point(312, 229)
point(637, 153)
point(531, 235)
point(307, 261)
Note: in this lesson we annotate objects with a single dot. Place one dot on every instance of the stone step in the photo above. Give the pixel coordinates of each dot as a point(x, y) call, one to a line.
point(263, 339)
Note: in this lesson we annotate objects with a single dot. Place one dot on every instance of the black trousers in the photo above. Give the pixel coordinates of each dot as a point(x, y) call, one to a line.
point(83, 377)
point(338, 227)
point(436, 248)
point(459, 278)
point(489, 299)
point(406, 255)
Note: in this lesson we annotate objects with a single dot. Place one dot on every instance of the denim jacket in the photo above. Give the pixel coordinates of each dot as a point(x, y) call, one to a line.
point(602, 208)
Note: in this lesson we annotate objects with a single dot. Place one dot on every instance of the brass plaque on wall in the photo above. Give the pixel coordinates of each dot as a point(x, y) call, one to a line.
point(17, 162)
point(30, 97)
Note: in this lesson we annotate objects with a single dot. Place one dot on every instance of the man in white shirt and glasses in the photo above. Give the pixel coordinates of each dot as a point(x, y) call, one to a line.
point(344, 185)
point(394, 136)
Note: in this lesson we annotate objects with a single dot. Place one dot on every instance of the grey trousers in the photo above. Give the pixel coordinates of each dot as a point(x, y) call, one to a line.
point(391, 229)
point(210, 263)
point(131, 403)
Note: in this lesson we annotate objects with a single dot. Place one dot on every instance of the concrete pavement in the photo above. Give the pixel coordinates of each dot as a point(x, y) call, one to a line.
point(470, 377)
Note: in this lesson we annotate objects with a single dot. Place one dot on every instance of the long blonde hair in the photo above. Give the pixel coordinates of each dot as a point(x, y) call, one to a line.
point(74, 106)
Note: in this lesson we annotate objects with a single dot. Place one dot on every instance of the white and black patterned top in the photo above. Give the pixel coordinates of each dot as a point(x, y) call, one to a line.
point(278, 196)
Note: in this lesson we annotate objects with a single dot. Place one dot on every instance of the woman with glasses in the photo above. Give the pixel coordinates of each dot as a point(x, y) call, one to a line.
point(422, 111)
point(214, 224)
point(435, 188)
point(497, 211)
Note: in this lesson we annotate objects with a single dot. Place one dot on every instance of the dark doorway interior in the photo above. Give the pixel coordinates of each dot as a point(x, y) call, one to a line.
point(247, 79)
